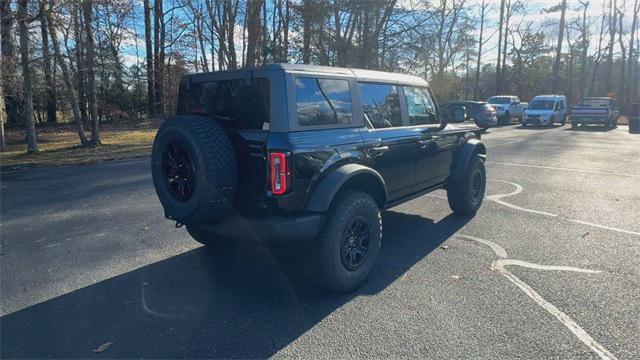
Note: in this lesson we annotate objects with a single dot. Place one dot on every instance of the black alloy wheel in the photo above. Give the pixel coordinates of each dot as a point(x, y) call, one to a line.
point(477, 187)
point(179, 171)
point(355, 243)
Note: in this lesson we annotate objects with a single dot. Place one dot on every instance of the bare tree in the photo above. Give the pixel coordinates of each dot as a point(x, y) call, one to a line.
point(149, 56)
point(29, 120)
point(633, 58)
point(498, 63)
point(8, 63)
point(68, 84)
point(46, 62)
point(254, 7)
point(484, 8)
point(87, 9)
point(555, 73)
point(584, 46)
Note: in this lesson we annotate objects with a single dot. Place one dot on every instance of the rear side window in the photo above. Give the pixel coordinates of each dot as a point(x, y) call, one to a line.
point(381, 105)
point(323, 101)
point(420, 106)
point(235, 104)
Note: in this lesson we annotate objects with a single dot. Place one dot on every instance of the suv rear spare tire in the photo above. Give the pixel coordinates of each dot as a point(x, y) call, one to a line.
point(194, 169)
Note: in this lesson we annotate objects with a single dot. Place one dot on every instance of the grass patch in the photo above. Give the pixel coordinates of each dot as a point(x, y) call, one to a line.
point(61, 146)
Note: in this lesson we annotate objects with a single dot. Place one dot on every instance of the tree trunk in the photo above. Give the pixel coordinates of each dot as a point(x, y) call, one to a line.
point(500, 24)
point(306, 32)
point(253, 31)
point(68, 84)
point(476, 89)
point(633, 59)
point(29, 121)
point(8, 63)
point(3, 119)
point(149, 56)
point(80, 65)
point(555, 73)
point(46, 62)
point(87, 10)
point(585, 48)
point(621, 87)
point(159, 40)
point(612, 39)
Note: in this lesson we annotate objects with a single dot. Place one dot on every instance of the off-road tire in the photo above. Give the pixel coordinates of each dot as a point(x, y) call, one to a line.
point(464, 198)
point(214, 169)
point(326, 266)
point(208, 238)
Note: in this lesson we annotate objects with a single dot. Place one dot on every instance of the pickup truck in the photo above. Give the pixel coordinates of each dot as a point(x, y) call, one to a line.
point(595, 110)
point(507, 107)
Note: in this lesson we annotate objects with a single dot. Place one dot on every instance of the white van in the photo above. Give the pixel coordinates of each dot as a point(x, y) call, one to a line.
point(546, 110)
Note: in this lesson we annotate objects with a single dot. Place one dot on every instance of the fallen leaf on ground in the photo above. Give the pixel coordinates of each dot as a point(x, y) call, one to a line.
point(444, 247)
point(102, 347)
point(585, 235)
point(456, 277)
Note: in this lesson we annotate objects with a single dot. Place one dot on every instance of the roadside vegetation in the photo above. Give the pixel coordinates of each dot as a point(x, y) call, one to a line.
point(59, 146)
point(82, 65)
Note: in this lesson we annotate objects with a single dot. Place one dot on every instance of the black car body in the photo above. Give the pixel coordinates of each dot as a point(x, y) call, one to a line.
point(303, 135)
point(479, 112)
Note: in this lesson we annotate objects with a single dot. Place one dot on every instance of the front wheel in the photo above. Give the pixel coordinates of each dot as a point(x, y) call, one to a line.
point(550, 122)
point(342, 257)
point(564, 121)
point(574, 125)
point(466, 193)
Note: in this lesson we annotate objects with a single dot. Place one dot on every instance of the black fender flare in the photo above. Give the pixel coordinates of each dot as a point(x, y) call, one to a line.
point(334, 181)
point(463, 156)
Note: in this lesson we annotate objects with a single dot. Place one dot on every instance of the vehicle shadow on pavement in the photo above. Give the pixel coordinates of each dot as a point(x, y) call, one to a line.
point(589, 128)
point(242, 302)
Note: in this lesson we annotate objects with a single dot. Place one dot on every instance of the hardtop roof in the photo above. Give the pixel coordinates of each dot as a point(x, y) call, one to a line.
point(359, 74)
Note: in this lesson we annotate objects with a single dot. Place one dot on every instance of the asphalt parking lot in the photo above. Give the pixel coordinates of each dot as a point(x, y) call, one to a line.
point(548, 268)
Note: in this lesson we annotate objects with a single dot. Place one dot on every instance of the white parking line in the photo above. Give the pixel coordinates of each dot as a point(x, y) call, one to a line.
point(563, 168)
point(500, 266)
point(497, 198)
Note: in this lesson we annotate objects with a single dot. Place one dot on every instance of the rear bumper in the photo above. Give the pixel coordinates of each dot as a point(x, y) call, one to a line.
point(588, 120)
point(272, 230)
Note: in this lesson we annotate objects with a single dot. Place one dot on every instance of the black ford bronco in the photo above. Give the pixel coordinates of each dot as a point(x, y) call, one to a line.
point(310, 155)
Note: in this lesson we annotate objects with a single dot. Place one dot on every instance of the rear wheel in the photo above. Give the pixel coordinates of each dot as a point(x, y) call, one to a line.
point(465, 194)
point(342, 257)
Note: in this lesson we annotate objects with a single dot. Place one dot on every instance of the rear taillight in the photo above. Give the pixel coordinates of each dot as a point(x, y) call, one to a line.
point(280, 172)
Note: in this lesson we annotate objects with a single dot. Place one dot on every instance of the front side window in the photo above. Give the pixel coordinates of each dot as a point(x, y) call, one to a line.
point(323, 101)
point(381, 105)
point(420, 106)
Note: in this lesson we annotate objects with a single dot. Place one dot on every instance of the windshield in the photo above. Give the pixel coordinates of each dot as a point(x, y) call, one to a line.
point(499, 100)
point(541, 105)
